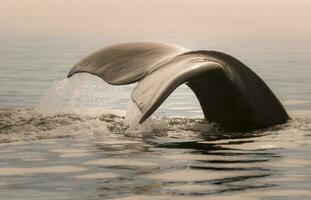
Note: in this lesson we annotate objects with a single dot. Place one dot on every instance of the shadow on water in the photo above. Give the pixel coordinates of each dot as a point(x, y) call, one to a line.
point(229, 169)
point(214, 163)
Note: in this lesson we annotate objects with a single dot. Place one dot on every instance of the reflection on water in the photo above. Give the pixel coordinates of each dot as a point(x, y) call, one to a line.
point(270, 164)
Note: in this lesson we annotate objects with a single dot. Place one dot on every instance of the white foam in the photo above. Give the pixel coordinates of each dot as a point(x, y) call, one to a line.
point(133, 115)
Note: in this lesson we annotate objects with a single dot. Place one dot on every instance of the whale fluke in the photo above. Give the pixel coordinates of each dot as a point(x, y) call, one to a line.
point(229, 92)
point(126, 63)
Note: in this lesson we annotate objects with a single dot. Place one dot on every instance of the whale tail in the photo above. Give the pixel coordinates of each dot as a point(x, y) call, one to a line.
point(228, 91)
point(126, 63)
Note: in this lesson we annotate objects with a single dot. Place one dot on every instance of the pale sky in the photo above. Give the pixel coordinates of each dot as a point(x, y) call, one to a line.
point(69, 18)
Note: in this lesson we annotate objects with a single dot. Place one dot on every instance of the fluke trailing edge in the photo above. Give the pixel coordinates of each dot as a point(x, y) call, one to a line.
point(229, 92)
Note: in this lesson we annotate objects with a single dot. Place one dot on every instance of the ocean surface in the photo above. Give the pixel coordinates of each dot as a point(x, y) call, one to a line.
point(67, 138)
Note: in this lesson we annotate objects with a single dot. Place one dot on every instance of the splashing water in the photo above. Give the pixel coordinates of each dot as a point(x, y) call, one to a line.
point(88, 95)
point(83, 94)
point(133, 115)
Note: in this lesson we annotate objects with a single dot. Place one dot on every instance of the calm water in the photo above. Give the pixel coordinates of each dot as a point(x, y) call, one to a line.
point(75, 149)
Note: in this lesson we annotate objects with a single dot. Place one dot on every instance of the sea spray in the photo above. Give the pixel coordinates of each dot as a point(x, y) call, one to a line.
point(84, 94)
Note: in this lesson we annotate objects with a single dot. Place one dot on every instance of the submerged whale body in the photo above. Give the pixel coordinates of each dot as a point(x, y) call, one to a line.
point(229, 92)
